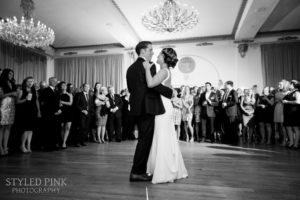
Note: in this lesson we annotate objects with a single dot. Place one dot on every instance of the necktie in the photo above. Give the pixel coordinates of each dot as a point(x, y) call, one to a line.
point(226, 95)
point(87, 97)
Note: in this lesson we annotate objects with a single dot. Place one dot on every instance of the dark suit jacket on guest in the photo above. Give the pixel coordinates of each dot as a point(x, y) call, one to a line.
point(116, 102)
point(49, 102)
point(80, 103)
point(125, 108)
point(144, 100)
point(231, 101)
point(209, 109)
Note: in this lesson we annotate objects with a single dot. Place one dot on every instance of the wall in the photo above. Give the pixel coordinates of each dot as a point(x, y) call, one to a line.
point(49, 68)
point(218, 62)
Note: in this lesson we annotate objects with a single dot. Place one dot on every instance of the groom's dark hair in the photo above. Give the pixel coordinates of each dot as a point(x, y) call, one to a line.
point(141, 45)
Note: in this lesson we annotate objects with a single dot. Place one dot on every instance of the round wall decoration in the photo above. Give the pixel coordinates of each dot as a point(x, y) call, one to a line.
point(186, 65)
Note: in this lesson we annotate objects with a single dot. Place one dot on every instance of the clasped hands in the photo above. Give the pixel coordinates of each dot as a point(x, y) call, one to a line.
point(147, 65)
point(113, 110)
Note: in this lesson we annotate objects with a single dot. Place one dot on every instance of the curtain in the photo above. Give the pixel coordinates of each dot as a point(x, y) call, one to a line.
point(280, 61)
point(23, 61)
point(132, 57)
point(106, 69)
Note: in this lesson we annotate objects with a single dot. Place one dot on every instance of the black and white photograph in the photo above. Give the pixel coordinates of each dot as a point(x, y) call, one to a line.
point(149, 99)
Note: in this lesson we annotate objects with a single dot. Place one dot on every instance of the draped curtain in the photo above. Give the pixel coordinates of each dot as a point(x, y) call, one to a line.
point(280, 61)
point(132, 57)
point(106, 69)
point(23, 61)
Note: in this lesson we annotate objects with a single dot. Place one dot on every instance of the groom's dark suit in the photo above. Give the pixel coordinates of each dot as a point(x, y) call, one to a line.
point(145, 103)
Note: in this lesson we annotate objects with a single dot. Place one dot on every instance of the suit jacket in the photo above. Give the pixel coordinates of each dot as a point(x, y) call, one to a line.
point(209, 109)
point(80, 103)
point(232, 101)
point(116, 102)
point(144, 100)
point(125, 108)
point(49, 102)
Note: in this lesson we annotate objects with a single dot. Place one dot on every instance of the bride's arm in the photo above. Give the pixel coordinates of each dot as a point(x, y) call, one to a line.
point(157, 78)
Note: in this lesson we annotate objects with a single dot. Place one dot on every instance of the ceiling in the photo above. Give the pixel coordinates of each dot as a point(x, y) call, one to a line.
point(82, 23)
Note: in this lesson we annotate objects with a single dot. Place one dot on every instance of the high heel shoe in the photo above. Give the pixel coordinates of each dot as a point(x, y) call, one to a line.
point(23, 149)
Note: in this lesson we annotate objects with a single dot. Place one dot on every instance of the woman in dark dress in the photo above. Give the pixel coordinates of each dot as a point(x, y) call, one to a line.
point(7, 108)
point(291, 112)
point(239, 119)
point(264, 115)
point(66, 101)
point(127, 119)
point(28, 112)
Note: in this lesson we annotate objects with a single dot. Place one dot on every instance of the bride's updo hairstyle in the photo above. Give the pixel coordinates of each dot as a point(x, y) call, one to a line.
point(170, 57)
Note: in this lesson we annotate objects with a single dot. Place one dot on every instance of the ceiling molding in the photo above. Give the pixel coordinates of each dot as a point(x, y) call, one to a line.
point(282, 10)
point(278, 33)
point(239, 16)
point(107, 46)
point(125, 18)
point(254, 16)
point(194, 40)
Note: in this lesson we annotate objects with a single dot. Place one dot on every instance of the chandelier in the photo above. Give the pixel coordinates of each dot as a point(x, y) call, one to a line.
point(26, 33)
point(170, 17)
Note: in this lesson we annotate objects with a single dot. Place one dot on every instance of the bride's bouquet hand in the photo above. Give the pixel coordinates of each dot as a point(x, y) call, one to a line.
point(147, 65)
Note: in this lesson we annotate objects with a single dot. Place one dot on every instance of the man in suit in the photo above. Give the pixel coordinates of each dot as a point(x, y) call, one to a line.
point(229, 104)
point(127, 120)
point(115, 115)
point(82, 105)
point(208, 101)
point(50, 108)
point(145, 103)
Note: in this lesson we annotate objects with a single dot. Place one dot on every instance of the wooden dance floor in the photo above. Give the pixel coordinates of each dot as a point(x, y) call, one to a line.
point(101, 171)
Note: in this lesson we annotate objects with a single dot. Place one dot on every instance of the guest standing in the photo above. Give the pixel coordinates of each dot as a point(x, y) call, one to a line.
point(7, 83)
point(197, 113)
point(97, 87)
point(229, 105)
point(115, 115)
point(291, 114)
point(247, 105)
point(82, 104)
point(66, 117)
point(127, 119)
point(265, 115)
point(187, 115)
point(280, 132)
point(239, 119)
point(208, 101)
point(177, 104)
point(102, 104)
point(50, 108)
point(28, 113)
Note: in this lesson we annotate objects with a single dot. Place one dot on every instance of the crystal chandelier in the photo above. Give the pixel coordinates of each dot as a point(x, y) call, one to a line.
point(170, 17)
point(26, 33)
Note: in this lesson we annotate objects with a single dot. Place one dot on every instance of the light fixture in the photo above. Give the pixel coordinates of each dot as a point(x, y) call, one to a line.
point(170, 16)
point(243, 48)
point(26, 33)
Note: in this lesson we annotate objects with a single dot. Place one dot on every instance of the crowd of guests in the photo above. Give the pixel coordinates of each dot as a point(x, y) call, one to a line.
point(239, 116)
point(51, 116)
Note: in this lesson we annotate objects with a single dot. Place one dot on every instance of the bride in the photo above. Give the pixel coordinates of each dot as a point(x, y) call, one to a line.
point(165, 161)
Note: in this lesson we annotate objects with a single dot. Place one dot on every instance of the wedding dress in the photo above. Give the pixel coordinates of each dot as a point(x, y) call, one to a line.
point(165, 160)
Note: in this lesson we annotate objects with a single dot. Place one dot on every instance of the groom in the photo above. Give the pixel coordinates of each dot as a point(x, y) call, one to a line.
point(145, 103)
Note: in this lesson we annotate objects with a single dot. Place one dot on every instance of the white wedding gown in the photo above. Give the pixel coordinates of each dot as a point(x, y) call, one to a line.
point(165, 161)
